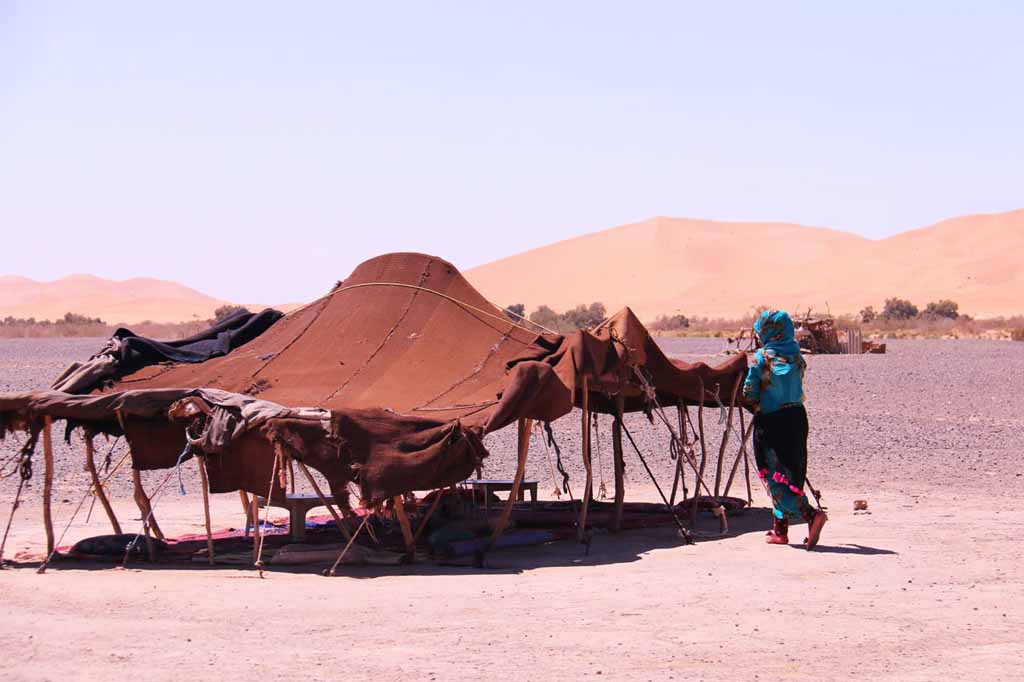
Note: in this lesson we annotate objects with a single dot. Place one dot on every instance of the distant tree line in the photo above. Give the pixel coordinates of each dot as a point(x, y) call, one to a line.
point(74, 324)
point(669, 323)
point(581, 317)
point(900, 309)
point(68, 319)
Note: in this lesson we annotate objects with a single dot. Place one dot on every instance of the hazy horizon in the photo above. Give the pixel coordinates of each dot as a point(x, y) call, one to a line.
point(259, 154)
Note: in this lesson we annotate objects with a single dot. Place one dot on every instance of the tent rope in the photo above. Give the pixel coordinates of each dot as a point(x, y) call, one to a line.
point(454, 300)
point(558, 460)
point(679, 524)
point(153, 499)
point(557, 492)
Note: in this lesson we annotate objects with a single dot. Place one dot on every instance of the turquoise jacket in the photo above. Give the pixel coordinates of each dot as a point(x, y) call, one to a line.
point(776, 376)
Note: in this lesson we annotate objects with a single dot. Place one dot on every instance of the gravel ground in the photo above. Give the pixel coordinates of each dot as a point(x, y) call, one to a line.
point(928, 414)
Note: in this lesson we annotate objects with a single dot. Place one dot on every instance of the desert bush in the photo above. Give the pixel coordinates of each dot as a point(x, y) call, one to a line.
point(669, 323)
point(944, 308)
point(899, 309)
point(225, 311)
point(1017, 333)
point(580, 317)
point(516, 311)
point(545, 317)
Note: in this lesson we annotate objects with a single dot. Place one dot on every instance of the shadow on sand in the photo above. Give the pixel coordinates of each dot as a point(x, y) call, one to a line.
point(605, 548)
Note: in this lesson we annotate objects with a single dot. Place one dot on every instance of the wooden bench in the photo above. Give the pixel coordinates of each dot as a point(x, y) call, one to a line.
point(489, 485)
point(298, 505)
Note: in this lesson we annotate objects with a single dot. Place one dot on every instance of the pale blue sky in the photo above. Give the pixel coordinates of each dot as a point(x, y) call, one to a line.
point(259, 151)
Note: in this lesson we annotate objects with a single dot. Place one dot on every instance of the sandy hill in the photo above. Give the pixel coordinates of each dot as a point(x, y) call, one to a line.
point(127, 301)
point(723, 269)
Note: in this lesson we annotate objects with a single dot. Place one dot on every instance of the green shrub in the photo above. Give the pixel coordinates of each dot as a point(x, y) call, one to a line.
point(580, 317)
point(670, 323)
point(944, 308)
point(899, 309)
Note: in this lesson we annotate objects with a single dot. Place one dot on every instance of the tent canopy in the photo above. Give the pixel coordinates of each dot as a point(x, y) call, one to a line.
point(411, 365)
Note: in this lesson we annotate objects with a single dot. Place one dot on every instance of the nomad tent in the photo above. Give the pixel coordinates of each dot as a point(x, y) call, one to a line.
point(388, 383)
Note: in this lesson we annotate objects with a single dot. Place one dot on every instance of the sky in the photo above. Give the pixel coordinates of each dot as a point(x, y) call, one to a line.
point(259, 151)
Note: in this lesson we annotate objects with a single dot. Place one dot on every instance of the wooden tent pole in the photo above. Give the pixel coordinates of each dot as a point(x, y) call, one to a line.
point(254, 511)
point(740, 455)
point(48, 482)
point(620, 464)
point(403, 522)
point(746, 461)
point(146, 511)
point(244, 497)
point(97, 486)
point(430, 512)
point(204, 481)
point(312, 481)
point(703, 453)
point(587, 491)
point(725, 437)
point(523, 449)
point(680, 405)
point(145, 508)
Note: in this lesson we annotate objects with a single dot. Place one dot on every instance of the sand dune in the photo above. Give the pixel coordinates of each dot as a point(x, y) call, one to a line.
point(716, 269)
point(129, 301)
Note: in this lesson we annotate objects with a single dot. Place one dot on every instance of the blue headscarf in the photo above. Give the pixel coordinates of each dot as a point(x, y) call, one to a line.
point(771, 380)
point(775, 330)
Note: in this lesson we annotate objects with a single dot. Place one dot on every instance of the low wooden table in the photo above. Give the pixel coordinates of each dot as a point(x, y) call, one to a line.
point(489, 485)
point(298, 505)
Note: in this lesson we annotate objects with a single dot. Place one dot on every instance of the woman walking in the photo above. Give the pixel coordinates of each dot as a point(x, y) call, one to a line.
point(774, 387)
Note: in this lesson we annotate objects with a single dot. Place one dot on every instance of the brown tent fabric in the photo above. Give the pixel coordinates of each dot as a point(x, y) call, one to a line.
point(413, 364)
point(383, 453)
point(406, 332)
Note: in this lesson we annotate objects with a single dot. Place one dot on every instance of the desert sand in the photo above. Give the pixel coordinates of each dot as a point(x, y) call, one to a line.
point(926, 586)
point(663, 265)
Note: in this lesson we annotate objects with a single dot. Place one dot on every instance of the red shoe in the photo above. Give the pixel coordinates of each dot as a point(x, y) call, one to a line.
point(779, 534)
point(814, 526)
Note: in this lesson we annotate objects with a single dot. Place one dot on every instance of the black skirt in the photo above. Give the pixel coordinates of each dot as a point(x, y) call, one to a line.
point(785, 432)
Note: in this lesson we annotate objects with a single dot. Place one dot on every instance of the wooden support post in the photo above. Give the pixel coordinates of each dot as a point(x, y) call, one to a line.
point(97, 486)
point(145, 508)
point(588, 489)
point(746, 464)
point(703, 454)
point(204, 481)
point(254, 510)
point(619, 462)
point(316, 487)
point(679, 475)
point(523, 449)
point(430, 512)
point(740, 455)
point(403, 522)
point(725, 438)
point(246, 510)
point(48, 482)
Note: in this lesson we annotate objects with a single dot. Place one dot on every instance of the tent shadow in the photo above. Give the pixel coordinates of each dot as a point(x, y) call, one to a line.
point(606, 548)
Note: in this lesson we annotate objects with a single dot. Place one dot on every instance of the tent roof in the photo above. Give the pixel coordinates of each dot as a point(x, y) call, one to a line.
point(406, 332)
point(411, 365)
